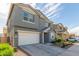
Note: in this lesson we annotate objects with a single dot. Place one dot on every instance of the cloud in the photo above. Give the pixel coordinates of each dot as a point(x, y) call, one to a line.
point(53, 8)
point(56, 11)
point(1, 29)
point(47, 7)
point(2, 16)
point(74, 30)
point(32, 4)
point(2, 20)
point(4, 9)
point(52, 16)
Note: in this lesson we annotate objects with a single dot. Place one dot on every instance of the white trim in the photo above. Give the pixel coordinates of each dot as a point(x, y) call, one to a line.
point(43, 37)
point(46, 29)
point(27, 31)
point(28, 22)
point(13, 37)
point(52, 34)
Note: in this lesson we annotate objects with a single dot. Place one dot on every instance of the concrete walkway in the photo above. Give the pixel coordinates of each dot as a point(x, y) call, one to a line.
point(72, 51)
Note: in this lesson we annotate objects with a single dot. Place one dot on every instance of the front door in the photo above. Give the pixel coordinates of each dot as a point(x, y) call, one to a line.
point(46, 37)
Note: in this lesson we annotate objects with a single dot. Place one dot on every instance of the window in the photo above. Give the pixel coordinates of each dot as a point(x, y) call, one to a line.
point(46, 24)
point(28, 17)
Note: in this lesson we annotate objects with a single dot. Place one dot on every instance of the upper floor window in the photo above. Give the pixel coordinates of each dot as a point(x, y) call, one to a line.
point(28, 17)
point(46, 24)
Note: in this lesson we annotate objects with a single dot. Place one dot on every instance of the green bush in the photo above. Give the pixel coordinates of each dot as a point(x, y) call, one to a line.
point(15, 49)
point(59, 40)
point(6, 50)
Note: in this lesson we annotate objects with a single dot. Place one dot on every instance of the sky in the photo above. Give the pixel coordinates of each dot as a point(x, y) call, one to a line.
point(4, 9)
point(67, 14)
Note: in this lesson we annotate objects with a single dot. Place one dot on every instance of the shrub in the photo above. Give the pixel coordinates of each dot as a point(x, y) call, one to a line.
point(15, 49)
point(61, 42)
point(6, 50)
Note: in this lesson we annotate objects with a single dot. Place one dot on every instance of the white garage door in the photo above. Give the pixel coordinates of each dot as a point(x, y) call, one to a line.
point(26, 37)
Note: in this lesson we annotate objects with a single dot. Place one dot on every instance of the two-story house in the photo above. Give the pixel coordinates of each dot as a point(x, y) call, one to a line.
point(27, 25)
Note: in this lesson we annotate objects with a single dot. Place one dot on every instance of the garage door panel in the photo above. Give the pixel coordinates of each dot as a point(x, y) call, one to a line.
point(28, 38)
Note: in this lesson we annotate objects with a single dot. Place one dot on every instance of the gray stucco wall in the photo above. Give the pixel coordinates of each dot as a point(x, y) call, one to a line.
point(19, 17)
point(42, 24)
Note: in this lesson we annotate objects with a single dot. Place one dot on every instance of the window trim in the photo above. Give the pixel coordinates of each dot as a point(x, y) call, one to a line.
point(28, 21)
point(29, 18)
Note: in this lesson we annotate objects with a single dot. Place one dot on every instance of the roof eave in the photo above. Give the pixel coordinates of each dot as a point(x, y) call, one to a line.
point(10, 12)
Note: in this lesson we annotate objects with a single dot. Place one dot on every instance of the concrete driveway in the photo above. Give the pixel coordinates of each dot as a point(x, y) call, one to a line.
point(42, 50)
point(72, 51)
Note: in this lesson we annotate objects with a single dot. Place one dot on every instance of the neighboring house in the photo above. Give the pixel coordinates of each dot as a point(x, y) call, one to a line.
point(26, 25)
point(60, 31)
point(4, 40)
point(3, 37)
point(0, 37)
point(72, 35)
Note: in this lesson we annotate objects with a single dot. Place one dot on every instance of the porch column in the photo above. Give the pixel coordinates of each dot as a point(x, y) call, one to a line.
point(42, 37)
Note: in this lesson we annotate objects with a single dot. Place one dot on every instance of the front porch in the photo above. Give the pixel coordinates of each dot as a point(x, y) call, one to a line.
point(47, 35)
